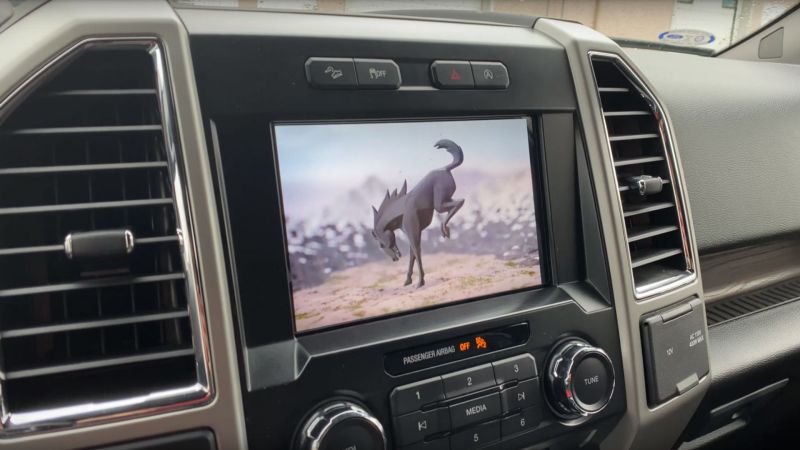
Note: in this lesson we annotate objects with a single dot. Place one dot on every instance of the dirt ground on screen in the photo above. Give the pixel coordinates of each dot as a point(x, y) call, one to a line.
point(376, 289)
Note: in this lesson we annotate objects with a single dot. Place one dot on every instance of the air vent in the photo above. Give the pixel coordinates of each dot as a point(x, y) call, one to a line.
point(729, 309)
point(639, 139)
point(98, 313)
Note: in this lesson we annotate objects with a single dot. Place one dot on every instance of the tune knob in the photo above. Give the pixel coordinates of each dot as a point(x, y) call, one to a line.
point(580, 379)
point(341, 425)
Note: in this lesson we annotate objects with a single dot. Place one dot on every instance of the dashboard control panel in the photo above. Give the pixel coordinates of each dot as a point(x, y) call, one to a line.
point(460, 402)
point(462, 360)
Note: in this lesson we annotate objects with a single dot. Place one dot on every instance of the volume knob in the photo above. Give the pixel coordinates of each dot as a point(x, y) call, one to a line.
point(341, 425)
point(580, 379)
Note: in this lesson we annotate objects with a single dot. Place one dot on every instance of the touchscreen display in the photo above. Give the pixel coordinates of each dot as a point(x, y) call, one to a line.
point(383, 218)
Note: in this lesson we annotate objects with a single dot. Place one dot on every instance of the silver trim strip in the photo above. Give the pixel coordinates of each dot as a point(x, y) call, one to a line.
point(667, 141)
point(158, 402)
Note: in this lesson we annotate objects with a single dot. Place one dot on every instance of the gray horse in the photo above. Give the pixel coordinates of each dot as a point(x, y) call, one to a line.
point(413, 211)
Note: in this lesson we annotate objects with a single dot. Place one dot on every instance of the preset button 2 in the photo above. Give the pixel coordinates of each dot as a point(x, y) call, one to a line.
point(469, 380)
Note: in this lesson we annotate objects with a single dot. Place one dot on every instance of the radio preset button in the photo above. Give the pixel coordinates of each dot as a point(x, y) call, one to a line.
point(416, 426)
point(523, 395)
point(469, 380)
point(526, 420)
point(412, 397)
point(519, 367)
point(476, 437)
point(433, 444)
point(475, 410)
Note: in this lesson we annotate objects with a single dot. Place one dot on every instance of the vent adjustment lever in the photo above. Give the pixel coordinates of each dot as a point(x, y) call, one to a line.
point(99, 244)
point(646, 184)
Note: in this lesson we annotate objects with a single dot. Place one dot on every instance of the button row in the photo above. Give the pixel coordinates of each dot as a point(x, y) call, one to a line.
point(343, 73)
point(469, 74)
point(412, 397)
point(413, 425)
point(485, 433)
point(352, 73)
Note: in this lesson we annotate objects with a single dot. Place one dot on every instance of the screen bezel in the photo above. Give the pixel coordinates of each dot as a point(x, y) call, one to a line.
point(535, 155)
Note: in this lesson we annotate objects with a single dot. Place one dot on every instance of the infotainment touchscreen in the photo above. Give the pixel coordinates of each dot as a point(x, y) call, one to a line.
point(390, 217)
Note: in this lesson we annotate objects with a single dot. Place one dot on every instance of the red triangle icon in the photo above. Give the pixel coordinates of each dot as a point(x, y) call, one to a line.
point(454, 75)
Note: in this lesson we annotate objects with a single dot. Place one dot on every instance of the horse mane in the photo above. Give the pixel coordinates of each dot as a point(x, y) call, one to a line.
point(388, 200)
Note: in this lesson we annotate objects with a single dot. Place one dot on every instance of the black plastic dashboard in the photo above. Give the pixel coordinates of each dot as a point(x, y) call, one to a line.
point(639, 171)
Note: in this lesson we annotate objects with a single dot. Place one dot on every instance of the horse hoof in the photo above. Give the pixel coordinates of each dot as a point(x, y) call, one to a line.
point(420, 284)
point(408, 281)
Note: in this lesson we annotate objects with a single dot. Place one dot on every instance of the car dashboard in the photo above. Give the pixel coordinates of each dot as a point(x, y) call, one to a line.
point(176, 272)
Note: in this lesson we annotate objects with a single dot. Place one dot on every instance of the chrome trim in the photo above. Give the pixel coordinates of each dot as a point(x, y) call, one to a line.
point(67, 248)
point(323, 420)
point(563, 401)
point(667, 142)
point(158, 402)
point(130, 242)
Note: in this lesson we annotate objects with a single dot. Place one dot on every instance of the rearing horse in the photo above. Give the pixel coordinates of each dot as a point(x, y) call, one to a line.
point(413, 211)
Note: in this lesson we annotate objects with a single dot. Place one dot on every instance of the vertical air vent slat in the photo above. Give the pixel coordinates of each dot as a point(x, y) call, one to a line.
point(96, 306)
point(642, 158)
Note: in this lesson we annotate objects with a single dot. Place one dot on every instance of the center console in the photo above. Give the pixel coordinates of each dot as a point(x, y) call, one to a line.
point(414, 247)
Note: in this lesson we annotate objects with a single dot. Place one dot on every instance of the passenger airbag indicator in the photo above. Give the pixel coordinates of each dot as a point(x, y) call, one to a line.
point(450, 350)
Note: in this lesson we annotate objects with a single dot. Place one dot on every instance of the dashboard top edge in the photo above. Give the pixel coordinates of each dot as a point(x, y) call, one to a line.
point(374, 28)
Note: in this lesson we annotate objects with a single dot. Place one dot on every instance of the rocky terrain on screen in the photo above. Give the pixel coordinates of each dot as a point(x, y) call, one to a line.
point(496, 223)
point(376, 288)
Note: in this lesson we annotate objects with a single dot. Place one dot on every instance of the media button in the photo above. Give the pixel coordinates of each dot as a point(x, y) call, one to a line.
point(523, 395)
point(452, 74)
point(519, 367)
point(416, 426)
point(526, 420)
point(469, 380)
point(377, 74)
point(412, 397)
point(476, 437)
point(331, 72)
point(490, 75)
point(475, 410)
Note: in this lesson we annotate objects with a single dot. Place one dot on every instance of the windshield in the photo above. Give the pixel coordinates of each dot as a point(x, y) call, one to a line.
point(700, 26)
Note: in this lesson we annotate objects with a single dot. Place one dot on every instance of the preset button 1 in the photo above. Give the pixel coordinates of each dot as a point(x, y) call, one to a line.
point(412, 397)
